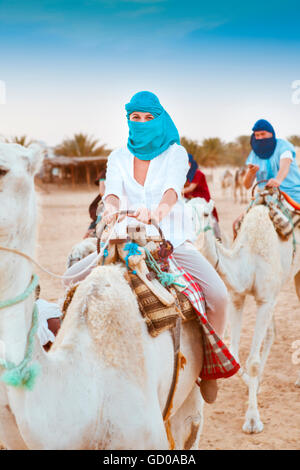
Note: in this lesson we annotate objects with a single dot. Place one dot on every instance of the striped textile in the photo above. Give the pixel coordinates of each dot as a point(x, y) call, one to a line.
point(218, 361)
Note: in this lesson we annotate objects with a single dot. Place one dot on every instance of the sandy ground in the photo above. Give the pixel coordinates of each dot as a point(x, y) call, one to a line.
point(63, 219)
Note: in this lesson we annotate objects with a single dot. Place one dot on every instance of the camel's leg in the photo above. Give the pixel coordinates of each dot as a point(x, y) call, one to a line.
point(187, 423)
point(268, 341)
point(297, 284)
point(10, 436)
point(264, 314)
point(235, 310)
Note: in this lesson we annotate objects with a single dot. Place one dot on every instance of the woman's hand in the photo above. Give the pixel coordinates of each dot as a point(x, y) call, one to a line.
point(111, 207)
point(142, 215)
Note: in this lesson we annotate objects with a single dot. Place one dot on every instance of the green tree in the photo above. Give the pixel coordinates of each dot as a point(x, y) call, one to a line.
point(212, 150)
point(192, 147)
point(236, 153)
point(81, 145)
point(244, 145)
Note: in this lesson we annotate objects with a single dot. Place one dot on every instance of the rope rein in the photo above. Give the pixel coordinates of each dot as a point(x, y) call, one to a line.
point(23, 375)
point(32, 260)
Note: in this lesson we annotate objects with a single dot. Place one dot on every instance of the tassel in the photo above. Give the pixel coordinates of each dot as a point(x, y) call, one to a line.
point(25, 377)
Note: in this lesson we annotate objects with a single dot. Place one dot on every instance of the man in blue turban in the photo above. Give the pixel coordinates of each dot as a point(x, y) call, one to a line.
point(273, 160)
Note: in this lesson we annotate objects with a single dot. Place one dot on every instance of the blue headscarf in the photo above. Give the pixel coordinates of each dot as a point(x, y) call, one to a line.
point(193, 168)
point(263, 148)
point(149, 139)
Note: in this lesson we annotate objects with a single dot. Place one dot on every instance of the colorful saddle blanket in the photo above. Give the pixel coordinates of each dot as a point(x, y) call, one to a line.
point(218, 361)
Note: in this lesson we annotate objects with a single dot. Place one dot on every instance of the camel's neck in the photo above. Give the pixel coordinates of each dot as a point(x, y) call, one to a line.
point(15, 275)
point(220, 257)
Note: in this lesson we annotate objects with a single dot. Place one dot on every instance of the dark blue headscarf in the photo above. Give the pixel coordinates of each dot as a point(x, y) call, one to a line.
point(149, 139)
point(194, 167)
point(263, 148)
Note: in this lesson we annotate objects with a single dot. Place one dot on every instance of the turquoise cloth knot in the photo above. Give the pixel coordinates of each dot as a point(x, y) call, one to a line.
point(166, 279)
point(23, 374)
point(133, 249)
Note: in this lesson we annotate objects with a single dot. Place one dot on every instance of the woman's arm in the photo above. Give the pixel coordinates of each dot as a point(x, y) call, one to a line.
point(165, 206)
point(174, 182)
point(111, 205)
point(113, 188)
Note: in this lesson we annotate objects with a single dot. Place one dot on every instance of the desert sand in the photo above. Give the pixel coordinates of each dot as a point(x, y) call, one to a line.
point(63, 219)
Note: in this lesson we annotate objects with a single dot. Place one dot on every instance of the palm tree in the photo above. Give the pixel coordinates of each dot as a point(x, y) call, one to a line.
point(22, 140)
point(295, 140)
point(81, 145)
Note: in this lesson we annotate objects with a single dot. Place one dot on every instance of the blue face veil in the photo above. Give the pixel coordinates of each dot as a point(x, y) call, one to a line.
point(193, 168)
point(149, 139)
point(263, 148)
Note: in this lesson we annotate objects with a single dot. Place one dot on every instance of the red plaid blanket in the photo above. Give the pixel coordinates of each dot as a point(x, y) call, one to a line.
point(218, 361)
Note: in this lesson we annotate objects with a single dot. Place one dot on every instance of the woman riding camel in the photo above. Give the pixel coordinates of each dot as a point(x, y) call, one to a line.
point(149, 175)
point(196, 186)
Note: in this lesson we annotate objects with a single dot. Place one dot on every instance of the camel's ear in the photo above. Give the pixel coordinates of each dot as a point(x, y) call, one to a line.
point(209, 206)
point(34, 158)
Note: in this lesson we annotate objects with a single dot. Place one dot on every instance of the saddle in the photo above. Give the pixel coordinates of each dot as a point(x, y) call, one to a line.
point(283, 210)
point(153, 278)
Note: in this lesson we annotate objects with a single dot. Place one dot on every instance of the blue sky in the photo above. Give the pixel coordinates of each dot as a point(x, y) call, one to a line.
point(71, 66)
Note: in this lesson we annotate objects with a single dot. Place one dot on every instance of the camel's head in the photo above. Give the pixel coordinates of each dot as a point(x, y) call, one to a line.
point(18, 165)
point(200, 212)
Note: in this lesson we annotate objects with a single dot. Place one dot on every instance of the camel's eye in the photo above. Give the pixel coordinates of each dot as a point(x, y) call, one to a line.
point(3, 171)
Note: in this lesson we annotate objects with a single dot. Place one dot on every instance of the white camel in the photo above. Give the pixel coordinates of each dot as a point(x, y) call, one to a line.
point(258, 264)
point(81, 250)
point(105, 382)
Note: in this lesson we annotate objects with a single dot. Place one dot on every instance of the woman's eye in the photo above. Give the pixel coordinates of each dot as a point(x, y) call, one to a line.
point(3, 172)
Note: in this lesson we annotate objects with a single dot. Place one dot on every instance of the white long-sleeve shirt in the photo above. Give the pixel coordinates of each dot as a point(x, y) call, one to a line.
point(166, 171)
